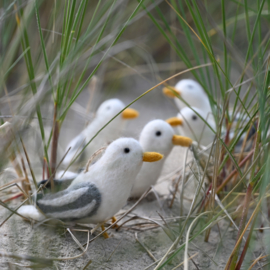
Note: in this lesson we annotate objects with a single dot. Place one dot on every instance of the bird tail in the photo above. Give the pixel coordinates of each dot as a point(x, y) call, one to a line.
point(30, 211)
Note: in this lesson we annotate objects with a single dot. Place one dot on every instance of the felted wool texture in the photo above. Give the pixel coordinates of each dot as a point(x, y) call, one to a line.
point(195, 128)
point(193, 94)
point(162, 144)
point(114, 175)
point(97, 195)
point(107, 110)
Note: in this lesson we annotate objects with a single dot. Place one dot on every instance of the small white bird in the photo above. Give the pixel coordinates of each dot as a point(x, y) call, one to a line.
point(106, 111)
point(192, 126)
point(191, 92)
point(156, 136)
point(96, 196)
point(194, 95)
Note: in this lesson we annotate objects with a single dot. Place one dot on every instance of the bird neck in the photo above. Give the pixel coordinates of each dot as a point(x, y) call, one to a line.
point(100, 122)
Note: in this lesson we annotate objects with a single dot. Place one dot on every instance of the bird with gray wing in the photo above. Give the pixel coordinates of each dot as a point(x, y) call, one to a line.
point(97, 195)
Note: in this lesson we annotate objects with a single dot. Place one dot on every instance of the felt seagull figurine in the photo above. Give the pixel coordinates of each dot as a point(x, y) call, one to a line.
point(192, 126)
point(194, 95)
point(156, 136)
point(96, 196)
point(106, 111)
point(190, 91)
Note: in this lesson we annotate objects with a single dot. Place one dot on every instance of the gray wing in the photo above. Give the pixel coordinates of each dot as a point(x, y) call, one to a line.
point(82, 201)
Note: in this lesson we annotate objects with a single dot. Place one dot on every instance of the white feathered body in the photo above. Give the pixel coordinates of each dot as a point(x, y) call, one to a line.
point(114, 179)
point(108, 184)
point(147, 177)
point(195, 128)
point(162, 144)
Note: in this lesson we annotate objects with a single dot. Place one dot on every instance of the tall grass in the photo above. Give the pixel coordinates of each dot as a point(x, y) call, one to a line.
point(57, 48)
point(233, 37)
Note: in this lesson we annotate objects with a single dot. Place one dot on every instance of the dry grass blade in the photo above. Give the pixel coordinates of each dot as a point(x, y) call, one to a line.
point(242, 234)
point(257, 260)
point(186, 259)
point(175, 190)
point(43, 261)
point(98, 152)
point(12, 212)
point(76, 240)
point(29, 164)
point(55, 137)
point(183, 182)
point(115, 249)
point(146, 249)
point(26, 183)
point(84, 250)
point(191, 257)
point(241, 259)
point(234, 172)
point(149, 266)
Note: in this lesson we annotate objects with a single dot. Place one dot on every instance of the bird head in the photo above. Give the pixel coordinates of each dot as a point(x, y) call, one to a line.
point(190, 91)
point(159, 136)
point(126, 154)
point(109, 108)
point(192, 122)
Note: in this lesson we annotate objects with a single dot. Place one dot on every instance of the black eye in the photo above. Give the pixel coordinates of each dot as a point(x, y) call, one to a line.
point(194, 117)
point(126, 150)
point(158, 133)
point(108, 108)
point(189, 86)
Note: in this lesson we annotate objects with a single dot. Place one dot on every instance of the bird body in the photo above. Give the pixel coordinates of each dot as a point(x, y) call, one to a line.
point(97, 195)
point(196, 103)
point(194, 127)
point(197, 100)
point(157, 136)
point(106, 111)
point(191, 123)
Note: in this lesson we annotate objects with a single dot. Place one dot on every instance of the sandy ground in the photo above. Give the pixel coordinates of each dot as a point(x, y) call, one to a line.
point(121, 250)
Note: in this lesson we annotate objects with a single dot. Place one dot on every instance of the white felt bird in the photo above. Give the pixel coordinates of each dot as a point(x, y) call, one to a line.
point(106, 111)
point(192, 126)
point(156, 136)
point(194, 96)
point(191, 92)
point(95, 196)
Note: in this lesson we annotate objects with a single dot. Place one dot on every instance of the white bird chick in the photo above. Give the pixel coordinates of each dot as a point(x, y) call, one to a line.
point(156, 136)
point(95, 196)
point(191, 92)
point(106, 111)
point(192, 126)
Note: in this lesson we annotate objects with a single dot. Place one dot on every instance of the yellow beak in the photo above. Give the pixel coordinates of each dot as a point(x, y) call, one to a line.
point(171, 91)
point(175, 121)
point(181, 140)
point(130, 113)
point(151, 156)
